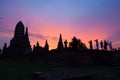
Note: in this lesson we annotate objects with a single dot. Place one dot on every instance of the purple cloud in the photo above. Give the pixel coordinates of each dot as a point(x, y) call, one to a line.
point(42, 37)
point(54, 38)
point(115, 36)
point(5, 30)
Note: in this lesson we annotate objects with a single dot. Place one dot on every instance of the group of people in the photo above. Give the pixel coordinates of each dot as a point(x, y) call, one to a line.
point(103, 44)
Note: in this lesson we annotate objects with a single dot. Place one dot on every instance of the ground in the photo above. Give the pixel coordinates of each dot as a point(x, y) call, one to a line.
point(23, 70)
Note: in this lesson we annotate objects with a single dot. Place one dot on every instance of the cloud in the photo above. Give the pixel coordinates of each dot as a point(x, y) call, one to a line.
point(5, 30)
point(115, 39)
point(42, 37)
point(116, 44)
point(54, 38)
point(115, 36)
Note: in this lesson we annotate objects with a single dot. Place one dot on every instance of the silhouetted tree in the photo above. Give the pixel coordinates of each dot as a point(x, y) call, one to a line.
point(60, 43)
point(77, 44)
point(65, 43)
point(90, 42)
point(74, 43)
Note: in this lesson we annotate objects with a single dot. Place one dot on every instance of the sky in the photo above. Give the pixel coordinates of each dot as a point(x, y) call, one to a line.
point(46, 19)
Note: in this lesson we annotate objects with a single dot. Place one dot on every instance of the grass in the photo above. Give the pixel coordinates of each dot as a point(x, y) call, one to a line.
point(12, 70)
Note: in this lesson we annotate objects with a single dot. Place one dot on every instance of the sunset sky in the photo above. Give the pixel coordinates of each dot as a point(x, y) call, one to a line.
point(46, 19)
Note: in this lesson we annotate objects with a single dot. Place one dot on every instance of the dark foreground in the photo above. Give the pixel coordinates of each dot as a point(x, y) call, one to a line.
point(23, 70)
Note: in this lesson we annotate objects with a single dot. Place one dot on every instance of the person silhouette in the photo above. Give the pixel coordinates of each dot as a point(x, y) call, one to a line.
point(97, 44)
point(65, 43)
point(90, 42)
point(101, 44)
point(110, 45)
point(105, 45)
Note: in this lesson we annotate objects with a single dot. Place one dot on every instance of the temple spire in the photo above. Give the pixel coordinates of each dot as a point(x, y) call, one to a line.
point(19, 30)
point(27, 42)
point(26, 36)
point(4, 48)
point(46, 46)
point(60, 43)
point(26, 33)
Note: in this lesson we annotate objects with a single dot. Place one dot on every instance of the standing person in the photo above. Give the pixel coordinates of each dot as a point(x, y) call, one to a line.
point(90, 42)
point(105, 45)
point(101, 44)
point(110, 45)
point(97, 44)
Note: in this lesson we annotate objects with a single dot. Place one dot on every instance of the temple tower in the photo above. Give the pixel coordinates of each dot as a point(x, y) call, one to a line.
point(46, 46)
point(60, 43)
point(20, 43)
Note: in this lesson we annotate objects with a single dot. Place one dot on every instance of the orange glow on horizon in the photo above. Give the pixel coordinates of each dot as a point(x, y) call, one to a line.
point(53, 28)
point(46, 26)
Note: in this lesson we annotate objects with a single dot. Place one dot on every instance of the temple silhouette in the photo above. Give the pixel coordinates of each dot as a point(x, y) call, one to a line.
point(20, 43)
